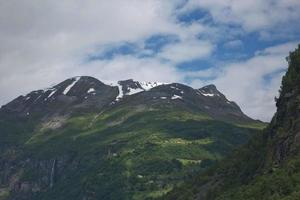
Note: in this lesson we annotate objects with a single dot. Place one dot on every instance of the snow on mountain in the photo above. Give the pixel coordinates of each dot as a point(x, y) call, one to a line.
point(149, 85)
point(121, 94)
point(91, 90)
point(176, 97)
point(209, 91)
point(68, 88)
point(52, 93)
point(130, 87)
point(134, 91)
point(89, 93)
point(208, 94)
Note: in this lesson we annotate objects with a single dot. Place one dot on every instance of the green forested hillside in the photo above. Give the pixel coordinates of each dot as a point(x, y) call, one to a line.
point(137, 150)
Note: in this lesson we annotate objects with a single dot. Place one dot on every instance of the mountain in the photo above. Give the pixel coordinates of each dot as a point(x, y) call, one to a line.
point(266, 168)
point(84, 139)
point(83, 94)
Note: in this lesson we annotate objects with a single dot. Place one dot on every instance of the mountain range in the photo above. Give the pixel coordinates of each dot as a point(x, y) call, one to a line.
point(83, 94)
point(84, 139)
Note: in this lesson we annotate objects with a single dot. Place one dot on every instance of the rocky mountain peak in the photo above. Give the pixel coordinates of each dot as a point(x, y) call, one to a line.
point(211, 87)
point(86, 93)
point(211, 91)
point(130, 86)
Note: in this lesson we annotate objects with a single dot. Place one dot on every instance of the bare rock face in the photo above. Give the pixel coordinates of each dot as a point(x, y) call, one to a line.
point(54, 123)
point(44, 175)
point(284, 130)
point(128, 85)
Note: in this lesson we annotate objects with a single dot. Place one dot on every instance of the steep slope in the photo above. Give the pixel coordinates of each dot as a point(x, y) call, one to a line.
point(83, 139)
point(268, 167)
point(72, 95)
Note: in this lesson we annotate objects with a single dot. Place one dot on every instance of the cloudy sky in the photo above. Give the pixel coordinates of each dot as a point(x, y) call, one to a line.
point(240, 46)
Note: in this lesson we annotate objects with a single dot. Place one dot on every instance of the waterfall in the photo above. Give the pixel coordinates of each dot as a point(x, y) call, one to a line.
point(52, 173)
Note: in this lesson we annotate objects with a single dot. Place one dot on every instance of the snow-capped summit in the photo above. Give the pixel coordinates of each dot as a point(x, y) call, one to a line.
point(87, 94)
point(130, 87)
point(150, 85)
point(210, 91)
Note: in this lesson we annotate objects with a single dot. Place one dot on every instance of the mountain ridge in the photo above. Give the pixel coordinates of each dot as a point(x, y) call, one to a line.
point(85, 93)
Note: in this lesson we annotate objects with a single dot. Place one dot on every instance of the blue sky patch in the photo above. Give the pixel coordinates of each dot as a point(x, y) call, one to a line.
point(196, 15)
point(157, 42)
point(111, 51)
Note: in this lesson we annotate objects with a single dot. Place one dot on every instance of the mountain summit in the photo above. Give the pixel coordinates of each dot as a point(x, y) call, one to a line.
point(84, 93)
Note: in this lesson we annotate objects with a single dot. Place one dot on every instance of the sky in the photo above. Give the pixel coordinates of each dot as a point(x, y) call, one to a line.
point(240, 46)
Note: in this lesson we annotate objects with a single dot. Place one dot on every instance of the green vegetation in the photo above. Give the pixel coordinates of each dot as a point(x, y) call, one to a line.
point(257, 125)
point(125, 153)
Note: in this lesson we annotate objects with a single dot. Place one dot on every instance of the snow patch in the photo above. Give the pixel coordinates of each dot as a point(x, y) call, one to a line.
point(91, 90)
point(121, 94)
point(208, 94)
point(163, 97)
point(52, 93)
point(134, 91)
point(149, 85)
point(205, 94)
point(69, 87)
point(173, 87)
point(176, 97)
point(141, 87)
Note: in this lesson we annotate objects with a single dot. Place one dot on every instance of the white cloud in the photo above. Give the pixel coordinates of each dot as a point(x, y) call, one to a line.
point(186, 50)
point(254, 15)
point(202, 74)
point(126, 67)
point(278, 49)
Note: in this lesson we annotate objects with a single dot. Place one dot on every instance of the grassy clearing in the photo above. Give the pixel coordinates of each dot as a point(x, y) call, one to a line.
point(258, 126)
